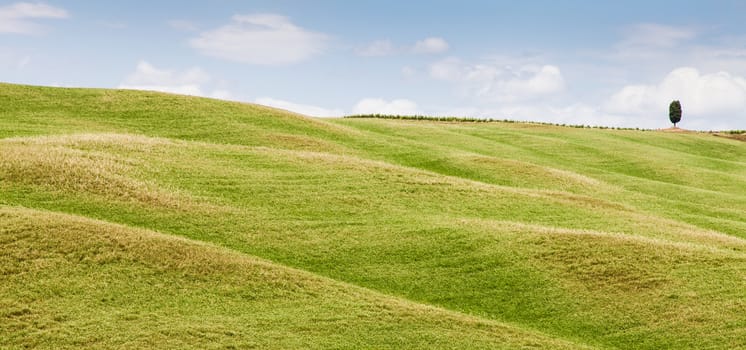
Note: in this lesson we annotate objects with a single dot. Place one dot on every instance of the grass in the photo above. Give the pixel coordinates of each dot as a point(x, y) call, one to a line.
point(77, 282)
point(138, 219)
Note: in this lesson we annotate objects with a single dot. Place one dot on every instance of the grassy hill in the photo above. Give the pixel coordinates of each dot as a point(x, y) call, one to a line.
point(140, 219)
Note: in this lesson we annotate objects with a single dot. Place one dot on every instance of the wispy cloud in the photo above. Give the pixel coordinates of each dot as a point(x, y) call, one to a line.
point(263, 39)
point(430, 46)
point(653, 43)
point(377, 48)
point(491, 82)
point(653, 35)
point(385, 47)
point(19, 18)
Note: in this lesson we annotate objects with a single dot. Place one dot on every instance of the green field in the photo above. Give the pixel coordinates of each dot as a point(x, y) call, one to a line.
point(136, 219)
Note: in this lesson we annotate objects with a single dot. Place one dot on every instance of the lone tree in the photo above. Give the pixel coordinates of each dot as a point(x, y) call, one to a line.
point(674, 112)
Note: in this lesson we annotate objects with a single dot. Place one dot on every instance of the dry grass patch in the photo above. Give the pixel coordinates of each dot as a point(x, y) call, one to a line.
point(74, 163)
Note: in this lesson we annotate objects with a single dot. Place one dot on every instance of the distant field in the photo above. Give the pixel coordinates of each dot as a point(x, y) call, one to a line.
point(146, 220)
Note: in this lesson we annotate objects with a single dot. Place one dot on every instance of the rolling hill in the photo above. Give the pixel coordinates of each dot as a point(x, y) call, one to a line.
point(139, 219)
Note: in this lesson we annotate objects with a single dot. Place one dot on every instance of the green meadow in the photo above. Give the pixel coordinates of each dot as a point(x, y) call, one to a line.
point(133, 219)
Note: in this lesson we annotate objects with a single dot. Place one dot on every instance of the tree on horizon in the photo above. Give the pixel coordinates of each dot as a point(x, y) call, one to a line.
point(674, 112)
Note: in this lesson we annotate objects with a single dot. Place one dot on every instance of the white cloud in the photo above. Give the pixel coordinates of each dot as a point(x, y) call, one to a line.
point(309, 110)
point(18, 18)
point(364, 106)
point(431, 45)
point(714, 99)
point(186, 82)
point(531, 82)
point(490, 82)
point(381, 106)
point(572, 114)
point(450, 69)
point(263, 39)
point(377, 48)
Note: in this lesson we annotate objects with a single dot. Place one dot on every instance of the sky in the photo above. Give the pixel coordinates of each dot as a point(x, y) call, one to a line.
point(574, 62)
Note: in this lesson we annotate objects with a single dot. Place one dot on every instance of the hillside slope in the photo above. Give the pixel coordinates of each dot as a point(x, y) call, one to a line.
point(76, 282)
point(519, 235)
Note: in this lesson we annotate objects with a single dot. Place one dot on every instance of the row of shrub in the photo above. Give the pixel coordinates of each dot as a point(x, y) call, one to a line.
point(483, 120)
point(424, 117)
point(733, 132)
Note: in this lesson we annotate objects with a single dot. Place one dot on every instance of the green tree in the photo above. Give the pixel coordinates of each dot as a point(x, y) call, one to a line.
point(674, 112)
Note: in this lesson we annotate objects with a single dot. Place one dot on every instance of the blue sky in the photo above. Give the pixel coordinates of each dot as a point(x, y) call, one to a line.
point(577, 62)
